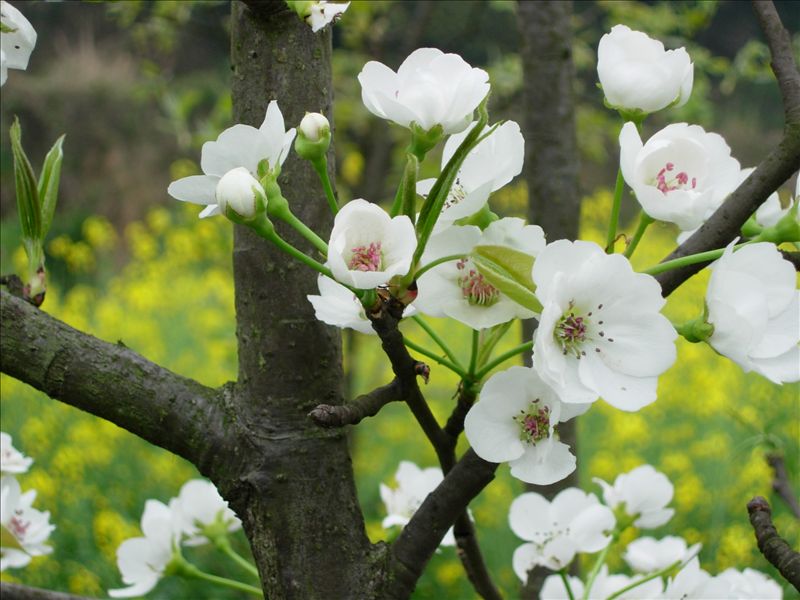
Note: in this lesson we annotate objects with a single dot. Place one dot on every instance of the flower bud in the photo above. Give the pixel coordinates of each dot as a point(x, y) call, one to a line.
point(313, 137)
point(239, 191)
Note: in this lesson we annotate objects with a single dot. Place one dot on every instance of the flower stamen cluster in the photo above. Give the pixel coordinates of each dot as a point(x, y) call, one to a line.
point(366, 258)
point(534, 423)
point(678, 182)
point(474, 287)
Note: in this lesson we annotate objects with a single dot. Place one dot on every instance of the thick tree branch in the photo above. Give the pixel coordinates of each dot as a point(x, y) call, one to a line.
point(771, 544)
point(111, 382)
point(455, 423)
point(781, 483)
point(15, 591)
point(420, 537)
point(774, 170)
point(366, 405)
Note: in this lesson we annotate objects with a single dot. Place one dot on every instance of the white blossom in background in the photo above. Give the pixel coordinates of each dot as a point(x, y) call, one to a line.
point(430, 88)
point(488, 167)
point(573, 522)
point(600, 332)
point(681, 174)
point(143, 560)
point(693, 583)
point(11, 459)
point(413, 486)
point(238, 146)
point(754, 307)
point(368, 247)
point(751, 585)
point(553, 588)
point(201, 506)
point(636, 73)
point(514, 421)
point(457, 290)
point(15, 46)
point(604, 586)
point(323, 12)
point(24, 529)
point(647, 554)
point(642, 494)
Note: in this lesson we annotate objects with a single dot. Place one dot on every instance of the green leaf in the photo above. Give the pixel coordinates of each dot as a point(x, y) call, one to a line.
point(27, 193)
point(48, 184)
point(509, 271)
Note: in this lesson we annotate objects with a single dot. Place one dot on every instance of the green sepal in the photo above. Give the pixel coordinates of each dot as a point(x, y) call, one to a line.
point(423, 141)
point(48, 184)
point(751, 228)
point(509, 271)
point(483, 218)
point(785, 230)
point(6, 28)
point(310, 150)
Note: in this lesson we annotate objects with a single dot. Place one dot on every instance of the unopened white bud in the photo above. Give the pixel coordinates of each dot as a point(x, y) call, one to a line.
point(315, 126)
point(238, 190)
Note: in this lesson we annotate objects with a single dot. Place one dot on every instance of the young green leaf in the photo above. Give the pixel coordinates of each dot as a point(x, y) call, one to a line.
point(48, 184)
point(509, 271)
point(27, 192)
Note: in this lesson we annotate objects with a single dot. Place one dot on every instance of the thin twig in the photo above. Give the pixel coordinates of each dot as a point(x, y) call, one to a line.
point(781, 483)
point(15, 591)
point(366, 405)
point(771, 544)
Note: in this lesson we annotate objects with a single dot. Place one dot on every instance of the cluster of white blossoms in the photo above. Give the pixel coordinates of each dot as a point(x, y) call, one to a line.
point(24, 529)
point(17, 40)
point(198, 515)
point(576, 522)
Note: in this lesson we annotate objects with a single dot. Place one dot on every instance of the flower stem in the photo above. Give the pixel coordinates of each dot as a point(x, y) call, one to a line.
point(473, 358)
point(596, 569)
point(629, 587)
point(442, 361)
point(436, 338)
point(436, 263)
point(564, 578)
point(645, 221)
point(527, 346)
point(297, 254)
point(224, 546)
point(188, 570)
point(321, 167)
point(303, 229)
point(689, 260)
point(614, 221)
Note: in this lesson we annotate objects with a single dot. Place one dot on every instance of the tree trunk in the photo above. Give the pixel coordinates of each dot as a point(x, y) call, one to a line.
point(551, 160)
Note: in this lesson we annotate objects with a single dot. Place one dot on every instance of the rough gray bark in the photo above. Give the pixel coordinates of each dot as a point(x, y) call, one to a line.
point(551, 161)
point(14, 591)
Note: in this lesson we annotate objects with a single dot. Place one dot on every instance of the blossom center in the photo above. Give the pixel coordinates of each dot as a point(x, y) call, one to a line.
point(666, 181)
point(366, 258)
point(18, 526)
point(474, 287)
point(570, 333)
point(456, 195)
point(534, 423)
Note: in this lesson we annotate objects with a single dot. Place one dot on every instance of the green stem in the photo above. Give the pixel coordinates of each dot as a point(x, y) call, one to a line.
point(436, 338)
point(397, 204)
point(224, 545)
point(692, 259)
point(645, 221)
point(297, 254)
point(190, 571)
point(596, 569)
point(442, 361)
point(321, 167)
point(527, 346)
point(629, 587)
point(409, 206)
point(614, 221)
point(303, 229)
point(567, 586)
point(473, 358)
point(435, 263)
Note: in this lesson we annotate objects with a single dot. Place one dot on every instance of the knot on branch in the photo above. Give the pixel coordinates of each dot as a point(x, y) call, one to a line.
point(423, 370)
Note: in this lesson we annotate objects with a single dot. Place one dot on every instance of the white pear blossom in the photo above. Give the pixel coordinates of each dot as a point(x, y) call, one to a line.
point(24, 529)
point(430, 88)
point(636, 73)
point(573, 522)
point(693, 583)
point(681, 174)
point(238, 146)
point(11, 459)
point(239, 191)
point(751, 584)
point(456, 289)
point(514, 421)
point(489, 166)
point(201, 506)
point(143, 560)
point(642, 494)
point(754, 307)
point(368, 247)
point(604, 586)
point(413, 486)
point(600, 332)
point(15, 46)
point(323, 12)
point(647, 554)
